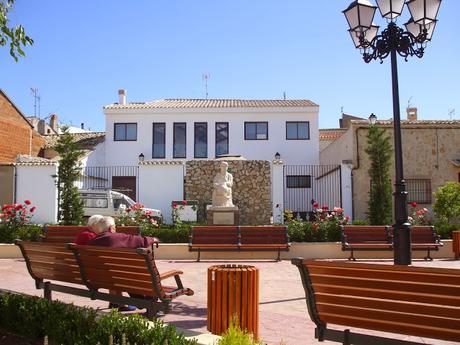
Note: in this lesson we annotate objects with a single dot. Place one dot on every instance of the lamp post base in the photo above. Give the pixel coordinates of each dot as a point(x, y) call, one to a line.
point(402, 244)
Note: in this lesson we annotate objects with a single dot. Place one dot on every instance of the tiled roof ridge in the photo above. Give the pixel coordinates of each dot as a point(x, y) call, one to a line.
point(410, 122)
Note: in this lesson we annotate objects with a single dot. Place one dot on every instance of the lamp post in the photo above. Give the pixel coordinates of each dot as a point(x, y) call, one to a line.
point(394, 40)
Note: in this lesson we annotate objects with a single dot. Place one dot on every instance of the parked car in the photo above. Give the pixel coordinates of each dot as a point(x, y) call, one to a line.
point(110, 203)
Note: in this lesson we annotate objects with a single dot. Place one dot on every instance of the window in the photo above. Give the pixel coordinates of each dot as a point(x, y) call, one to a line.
point(297, 130)
point(159, 134)
point(201, 140)
point(221, 138)
point(256, 131)
point(298, 181)
point(93, 200)
point(125, 131)
point(419, 190)
point(180, 136)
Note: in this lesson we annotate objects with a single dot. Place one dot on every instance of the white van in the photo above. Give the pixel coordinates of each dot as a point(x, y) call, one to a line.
point(109, 203)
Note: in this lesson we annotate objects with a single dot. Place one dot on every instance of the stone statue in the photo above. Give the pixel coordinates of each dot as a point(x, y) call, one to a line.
point(223, 182)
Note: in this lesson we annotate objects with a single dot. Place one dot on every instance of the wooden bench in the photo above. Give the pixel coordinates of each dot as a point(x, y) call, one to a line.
point(423, 302)
point(67, 233)
point(238, 238)
point(365, 237)
point(425, 238)
point(92, 268)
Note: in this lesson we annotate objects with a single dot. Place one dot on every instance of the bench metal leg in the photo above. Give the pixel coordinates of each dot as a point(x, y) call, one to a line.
point(199, 256)
point(428, 256)
point(351, 257)
point(47, 291)
point(346, 337)
point(279, 256)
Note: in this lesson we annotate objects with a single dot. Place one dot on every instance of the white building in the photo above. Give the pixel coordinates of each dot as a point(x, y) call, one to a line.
point(183, 129)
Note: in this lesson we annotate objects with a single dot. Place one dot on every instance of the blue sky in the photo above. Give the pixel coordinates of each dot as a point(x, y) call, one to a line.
point(253, 49)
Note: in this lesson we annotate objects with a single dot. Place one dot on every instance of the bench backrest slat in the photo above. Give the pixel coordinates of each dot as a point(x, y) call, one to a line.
point(67, 233)
point(107, 268)
point(364, 233)
point(409, 300)
point(211, 235)
point(263, 235)
point(50, 261)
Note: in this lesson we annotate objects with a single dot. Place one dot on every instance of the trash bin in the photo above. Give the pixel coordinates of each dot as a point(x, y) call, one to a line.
point(233, 290)
point(456, 244)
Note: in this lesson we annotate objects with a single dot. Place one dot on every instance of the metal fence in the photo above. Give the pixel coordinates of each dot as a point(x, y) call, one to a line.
point(307, 184)
point(124, 179)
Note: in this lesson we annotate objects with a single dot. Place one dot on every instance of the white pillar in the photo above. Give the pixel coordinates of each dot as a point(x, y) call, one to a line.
point(161, 182)
point(347, 191)
point(277, 191)
point(37, 182)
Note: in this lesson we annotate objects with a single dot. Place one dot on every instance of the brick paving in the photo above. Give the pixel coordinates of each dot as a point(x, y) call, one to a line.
point(283, 314)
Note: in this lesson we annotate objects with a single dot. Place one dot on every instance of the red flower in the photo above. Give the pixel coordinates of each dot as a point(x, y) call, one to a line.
point(27, 202)
point(184, 202)
point(32, 209)
point(315, 205)
point(325, 208)
point(18, 207)
point(413, 204)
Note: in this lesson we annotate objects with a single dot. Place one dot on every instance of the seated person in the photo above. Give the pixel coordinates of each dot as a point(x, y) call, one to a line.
point(108, 237)
point(83, 237)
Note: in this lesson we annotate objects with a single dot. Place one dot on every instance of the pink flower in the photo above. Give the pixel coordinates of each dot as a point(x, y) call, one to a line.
point(32, 209)
point(27, 202)
point(174, 205)
point(347, 218)
point(184, 202)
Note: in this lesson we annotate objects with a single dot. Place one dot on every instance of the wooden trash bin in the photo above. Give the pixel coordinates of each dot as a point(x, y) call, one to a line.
point(456, 244)
point(233, 290)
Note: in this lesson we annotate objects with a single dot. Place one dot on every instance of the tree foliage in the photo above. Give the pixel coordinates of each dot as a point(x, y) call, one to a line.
point(378, 148)
point(447, 204)
point(70, 204)
point(15, 36)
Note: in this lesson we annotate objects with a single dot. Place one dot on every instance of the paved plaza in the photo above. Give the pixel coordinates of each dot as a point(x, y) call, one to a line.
point(283, 313)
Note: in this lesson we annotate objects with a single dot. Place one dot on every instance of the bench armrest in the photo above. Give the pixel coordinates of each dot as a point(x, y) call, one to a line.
point(170, 274)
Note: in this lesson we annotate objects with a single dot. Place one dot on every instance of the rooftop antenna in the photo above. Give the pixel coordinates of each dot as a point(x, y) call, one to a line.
point(451, 113)
point(36, 96)
point(284, 95)
point(206, 77)
point(409, 105)
point(341, 109)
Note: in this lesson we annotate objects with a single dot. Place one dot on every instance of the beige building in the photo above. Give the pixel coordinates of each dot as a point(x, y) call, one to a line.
point(431, 156)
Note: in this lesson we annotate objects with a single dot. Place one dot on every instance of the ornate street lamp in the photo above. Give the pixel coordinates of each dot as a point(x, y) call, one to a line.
point(372, 119)
point(394, 40)
point(141, 157)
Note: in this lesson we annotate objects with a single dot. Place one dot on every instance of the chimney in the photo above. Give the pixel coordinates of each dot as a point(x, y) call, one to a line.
point(41, 127)
point(122, 96)
point(412, 114)
point(53, 122)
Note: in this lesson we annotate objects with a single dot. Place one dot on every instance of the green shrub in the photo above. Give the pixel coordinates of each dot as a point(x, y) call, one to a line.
point(359, 222)
point(447, 204)
point(66, 324)
point(444, 230)
point(302, 231)
point(30, 232)
point(235, 336)
point(168, 233)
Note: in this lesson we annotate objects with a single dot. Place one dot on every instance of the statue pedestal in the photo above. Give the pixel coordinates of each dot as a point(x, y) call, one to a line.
point(222, 215)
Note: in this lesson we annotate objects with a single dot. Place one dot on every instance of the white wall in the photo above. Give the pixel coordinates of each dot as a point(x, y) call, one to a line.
point(347, 195)
point(292, 151)
point(339, 150)
point(159, 185)
point(37, 184)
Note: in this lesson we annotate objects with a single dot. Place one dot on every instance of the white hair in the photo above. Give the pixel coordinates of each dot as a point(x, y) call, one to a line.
point(93, 220)
point(104, 224)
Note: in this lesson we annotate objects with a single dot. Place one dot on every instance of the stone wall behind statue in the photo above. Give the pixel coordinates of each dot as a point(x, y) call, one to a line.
point(251, 187)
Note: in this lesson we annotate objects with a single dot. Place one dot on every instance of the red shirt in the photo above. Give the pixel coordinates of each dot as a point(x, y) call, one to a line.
point(84, 237)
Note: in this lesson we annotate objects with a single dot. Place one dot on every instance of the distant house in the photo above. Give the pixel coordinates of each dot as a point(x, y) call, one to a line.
point(184, 129)
point(431, 155)
point(17, 135)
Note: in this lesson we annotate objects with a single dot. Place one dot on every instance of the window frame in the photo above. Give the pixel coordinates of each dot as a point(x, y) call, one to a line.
point(308, 179)
point(228, 138)
point(115, 124)
point(153, 139)
point(174, 139)
point(255, 122)
point(297, 123)
point(195, 138)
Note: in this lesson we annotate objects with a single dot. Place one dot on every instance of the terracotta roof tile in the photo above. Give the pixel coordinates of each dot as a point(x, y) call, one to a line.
point(214, 103)
point(331, 134)
point(86, 140)
point(415, 124)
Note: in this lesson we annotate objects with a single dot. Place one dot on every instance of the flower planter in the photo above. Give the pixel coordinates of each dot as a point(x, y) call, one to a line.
point(185, 210)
